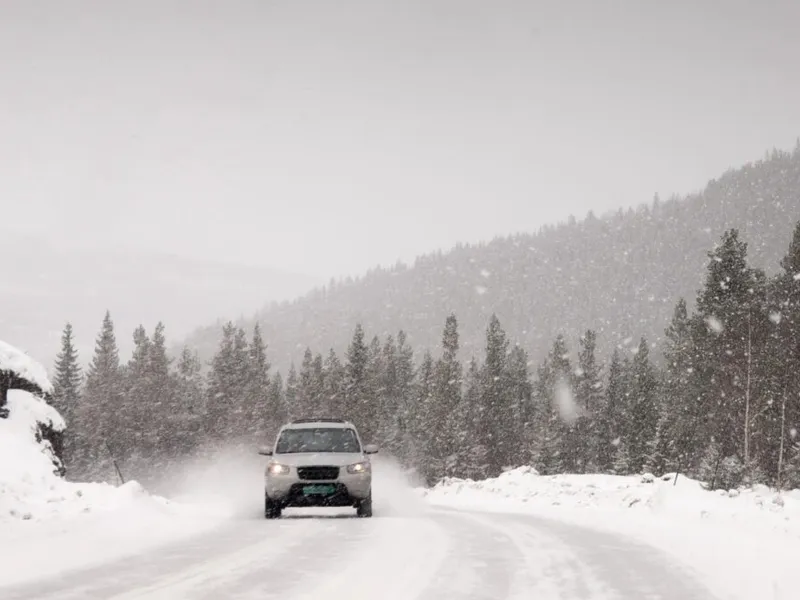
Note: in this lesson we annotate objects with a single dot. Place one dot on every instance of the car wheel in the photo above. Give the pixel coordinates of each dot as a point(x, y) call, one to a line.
point(364, 508)
point(271, 509)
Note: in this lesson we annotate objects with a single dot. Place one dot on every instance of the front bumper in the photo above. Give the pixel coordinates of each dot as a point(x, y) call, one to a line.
point(287, 489)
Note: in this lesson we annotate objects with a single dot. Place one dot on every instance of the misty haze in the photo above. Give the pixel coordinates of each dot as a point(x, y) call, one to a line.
point(399, 300)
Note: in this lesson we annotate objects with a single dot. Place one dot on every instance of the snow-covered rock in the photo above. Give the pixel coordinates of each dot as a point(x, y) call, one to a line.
point(23, 366)
point(27, 464)
point(30, 487)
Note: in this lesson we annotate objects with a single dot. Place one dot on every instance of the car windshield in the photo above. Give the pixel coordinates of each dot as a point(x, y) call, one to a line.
point(317, 439)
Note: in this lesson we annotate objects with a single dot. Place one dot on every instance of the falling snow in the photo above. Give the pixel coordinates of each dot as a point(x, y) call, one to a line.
point(715, 324)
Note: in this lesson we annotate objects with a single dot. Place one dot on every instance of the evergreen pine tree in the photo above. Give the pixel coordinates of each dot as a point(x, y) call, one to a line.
point(420, 419)
point(471, 451)
point(257, 386)
point(132, 414)
point(240, 410)
point(318, 385)
point(221, 388)
point(99, 409)
point(448, 375)
point(544, 437)
point(304, 401)
point(372, 393)
point(588, 396)
point(622, 459)
point(68, 376)
point(781, 367)
point(190, 402)
point(333, 392)
point(730, 341)
point(643, 418)
point(389, 413)
point(356, 378)
point(277, 409)
point(405, 390)
point(679, 427)
point(162, 417)
point(66, 393)
point(520, 392)
point(610, 420)
point(291, 392)
point(565, 411)
point(502, 430)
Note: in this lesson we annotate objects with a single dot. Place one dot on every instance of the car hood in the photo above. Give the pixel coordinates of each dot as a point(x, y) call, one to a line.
point(308, 459)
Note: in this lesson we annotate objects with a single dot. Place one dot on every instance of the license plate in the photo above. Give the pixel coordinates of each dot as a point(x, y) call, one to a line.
point(313, 490)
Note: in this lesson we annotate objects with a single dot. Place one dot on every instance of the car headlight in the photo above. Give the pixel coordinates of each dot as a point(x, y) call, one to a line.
point(276, 469)
point(358, 468)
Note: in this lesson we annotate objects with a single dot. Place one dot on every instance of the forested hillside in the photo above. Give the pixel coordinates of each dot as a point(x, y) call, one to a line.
point(620, 274)
point(724, 407)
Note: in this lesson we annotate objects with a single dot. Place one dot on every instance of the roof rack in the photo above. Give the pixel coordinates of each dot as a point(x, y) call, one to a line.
point(319, 420)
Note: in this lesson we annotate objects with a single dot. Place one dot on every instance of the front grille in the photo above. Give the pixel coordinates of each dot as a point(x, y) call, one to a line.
point(317, 473)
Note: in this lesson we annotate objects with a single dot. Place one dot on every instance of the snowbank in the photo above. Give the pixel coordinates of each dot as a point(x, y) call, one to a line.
point(646, 494)
point(55, 525)
point(23, 366)
point(744, 543)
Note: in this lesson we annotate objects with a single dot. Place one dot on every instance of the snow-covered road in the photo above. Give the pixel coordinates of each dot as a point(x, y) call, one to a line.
point(434, 554)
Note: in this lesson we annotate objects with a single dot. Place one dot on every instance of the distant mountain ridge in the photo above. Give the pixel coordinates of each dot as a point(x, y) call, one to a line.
point(620, 275)
point(44, 285)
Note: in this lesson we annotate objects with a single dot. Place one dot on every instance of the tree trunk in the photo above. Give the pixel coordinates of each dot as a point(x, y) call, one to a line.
point(747, 391)
point(783, 428)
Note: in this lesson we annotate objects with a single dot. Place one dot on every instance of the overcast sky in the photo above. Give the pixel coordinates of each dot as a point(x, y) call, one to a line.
point(326, 137)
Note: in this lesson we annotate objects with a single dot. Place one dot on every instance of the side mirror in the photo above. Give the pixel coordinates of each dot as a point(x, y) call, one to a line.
point(370, 449)
point(265, 451)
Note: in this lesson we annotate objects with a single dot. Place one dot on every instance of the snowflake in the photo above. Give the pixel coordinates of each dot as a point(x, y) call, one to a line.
point(715, 324)
point(616, 442)
point(775, 317)
point(481, 290)
point(793, 433)
point(485, 273)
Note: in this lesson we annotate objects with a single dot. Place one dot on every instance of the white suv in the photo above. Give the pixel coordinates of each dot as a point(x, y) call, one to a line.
point(318, 462)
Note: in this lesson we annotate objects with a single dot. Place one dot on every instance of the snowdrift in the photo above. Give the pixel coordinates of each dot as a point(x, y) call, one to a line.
point(742, 543)
point(54, 525)
point(525, 488)
point(30, 488)
point(662, 495)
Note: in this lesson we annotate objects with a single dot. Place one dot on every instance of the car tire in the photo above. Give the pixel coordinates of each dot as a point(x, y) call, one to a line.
point(271, 509)
point(364, 508)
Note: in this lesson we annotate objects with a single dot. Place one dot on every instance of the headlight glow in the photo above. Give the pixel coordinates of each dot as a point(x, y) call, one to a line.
point(358, 468)
point(276, 469)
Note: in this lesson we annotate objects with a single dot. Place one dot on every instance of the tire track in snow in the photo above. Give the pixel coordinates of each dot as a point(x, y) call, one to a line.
point(481, 565)
point(582, 563)
point(186, 560)
point(397, 562)
point(549, 568)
